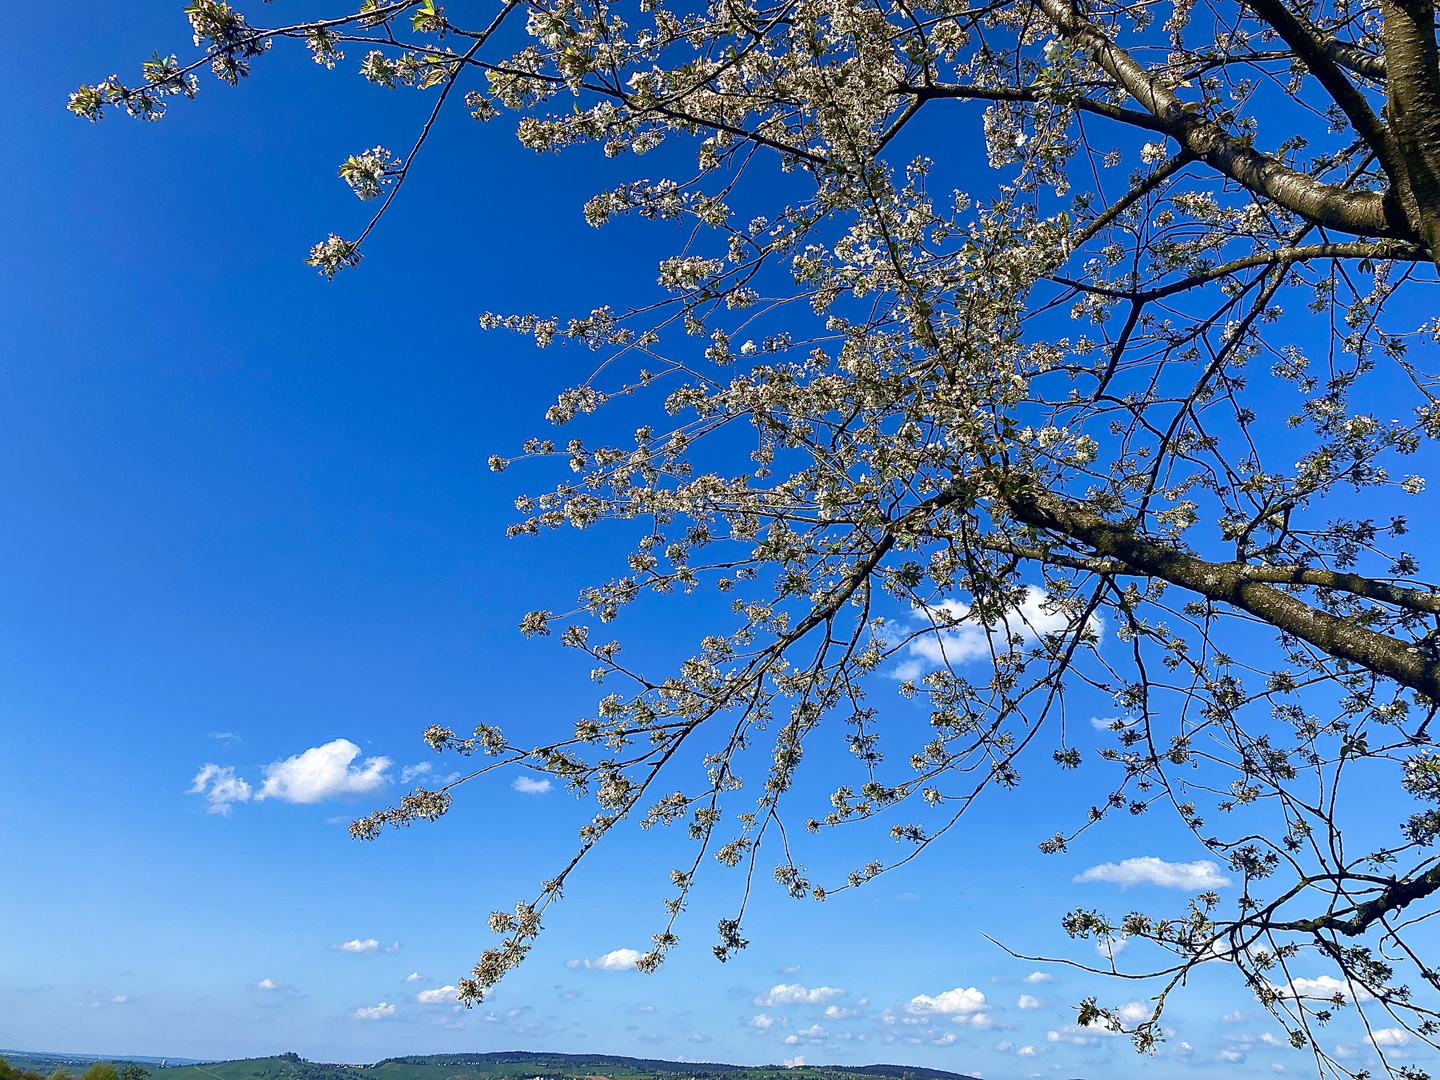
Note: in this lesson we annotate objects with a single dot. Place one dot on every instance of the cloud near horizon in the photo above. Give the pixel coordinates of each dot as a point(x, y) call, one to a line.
point(1148, 870)
point(382, 1011)
point(795, 994)
point(958, 1003)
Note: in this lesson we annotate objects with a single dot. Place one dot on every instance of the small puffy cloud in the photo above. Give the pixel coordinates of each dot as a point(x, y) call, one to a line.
point(221, 788)
point(791, 969)
point(946, 1039)
point(957, 638)
point(1134, 1012)
point(1249, 1042)
point(835, 1012)
point(1005, 1047)
point(763, 1021)
point(1076, 1036)
point(1111, 723)
point(1233, 1017)
point(619, 960)
point(381, 1011)
point(414, 976)
point(323, 772)
point(957, 1002)
point(120, 999)
point(394, 946)
point(442, 996)
point(527, 786)
point(795, 994)
point(1148, 870)
point(1390, 1037)
point(1323, 988)
point(269, 984)
point(1028, 1002)
point(1230, 1057)
point(1027, 1051)
point(1039, 977)
point(359, 946)
point(794, 1063)
point(814, 1031)
point(697, 1038)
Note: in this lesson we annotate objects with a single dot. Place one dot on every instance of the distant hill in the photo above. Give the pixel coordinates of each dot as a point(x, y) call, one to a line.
point(505, 1065)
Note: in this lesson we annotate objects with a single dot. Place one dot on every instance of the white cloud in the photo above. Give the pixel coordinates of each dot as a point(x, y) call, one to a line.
point(1039, 977)
point(791, 969)
point(1233, 1057)
point(359, 946)
point(394, 946)
point(223, 735)
point(1233, 1017)
point(1390, 1037)
point(270, 984)
point(381, 1011)
point(221, 787)
point(955, 1002)
point(323, 772)
point(1133, 1012)
point(1028, 1002)
point(415, 976)
point(1005, 1047)
point(795, 994)
point(441, 996)
point(943, 1040)
point(120, 999)
point(1027, 1051)
point(814, 1031)
point(835, 1012)
point(527, 786)
point(1149, 870)
point(1324, 988)
point(619, 960)
point(969, 640)
point(763, 1021)
point(410, 772)
point(1077, 1036)
point(1110, 947)
point(794, 1063)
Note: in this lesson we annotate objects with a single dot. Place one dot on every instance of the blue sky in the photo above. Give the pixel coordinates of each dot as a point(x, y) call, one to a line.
point(248, 516)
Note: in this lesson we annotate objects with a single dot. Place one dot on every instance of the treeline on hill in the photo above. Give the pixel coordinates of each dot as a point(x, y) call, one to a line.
point(101, 1070)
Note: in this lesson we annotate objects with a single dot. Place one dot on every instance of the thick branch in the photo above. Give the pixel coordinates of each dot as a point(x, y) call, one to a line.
point(1233, 584)
point(1394, 898)
point(1413, 70)
point(1312, 52)
point(1364, 213)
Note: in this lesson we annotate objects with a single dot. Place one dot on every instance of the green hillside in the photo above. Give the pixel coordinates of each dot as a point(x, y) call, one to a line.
point(521, 1065)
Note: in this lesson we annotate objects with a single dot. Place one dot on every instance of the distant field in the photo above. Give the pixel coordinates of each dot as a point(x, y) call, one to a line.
point(516, 1065)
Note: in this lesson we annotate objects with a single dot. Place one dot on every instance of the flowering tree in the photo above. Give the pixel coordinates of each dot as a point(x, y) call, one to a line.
point(1129, 424)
